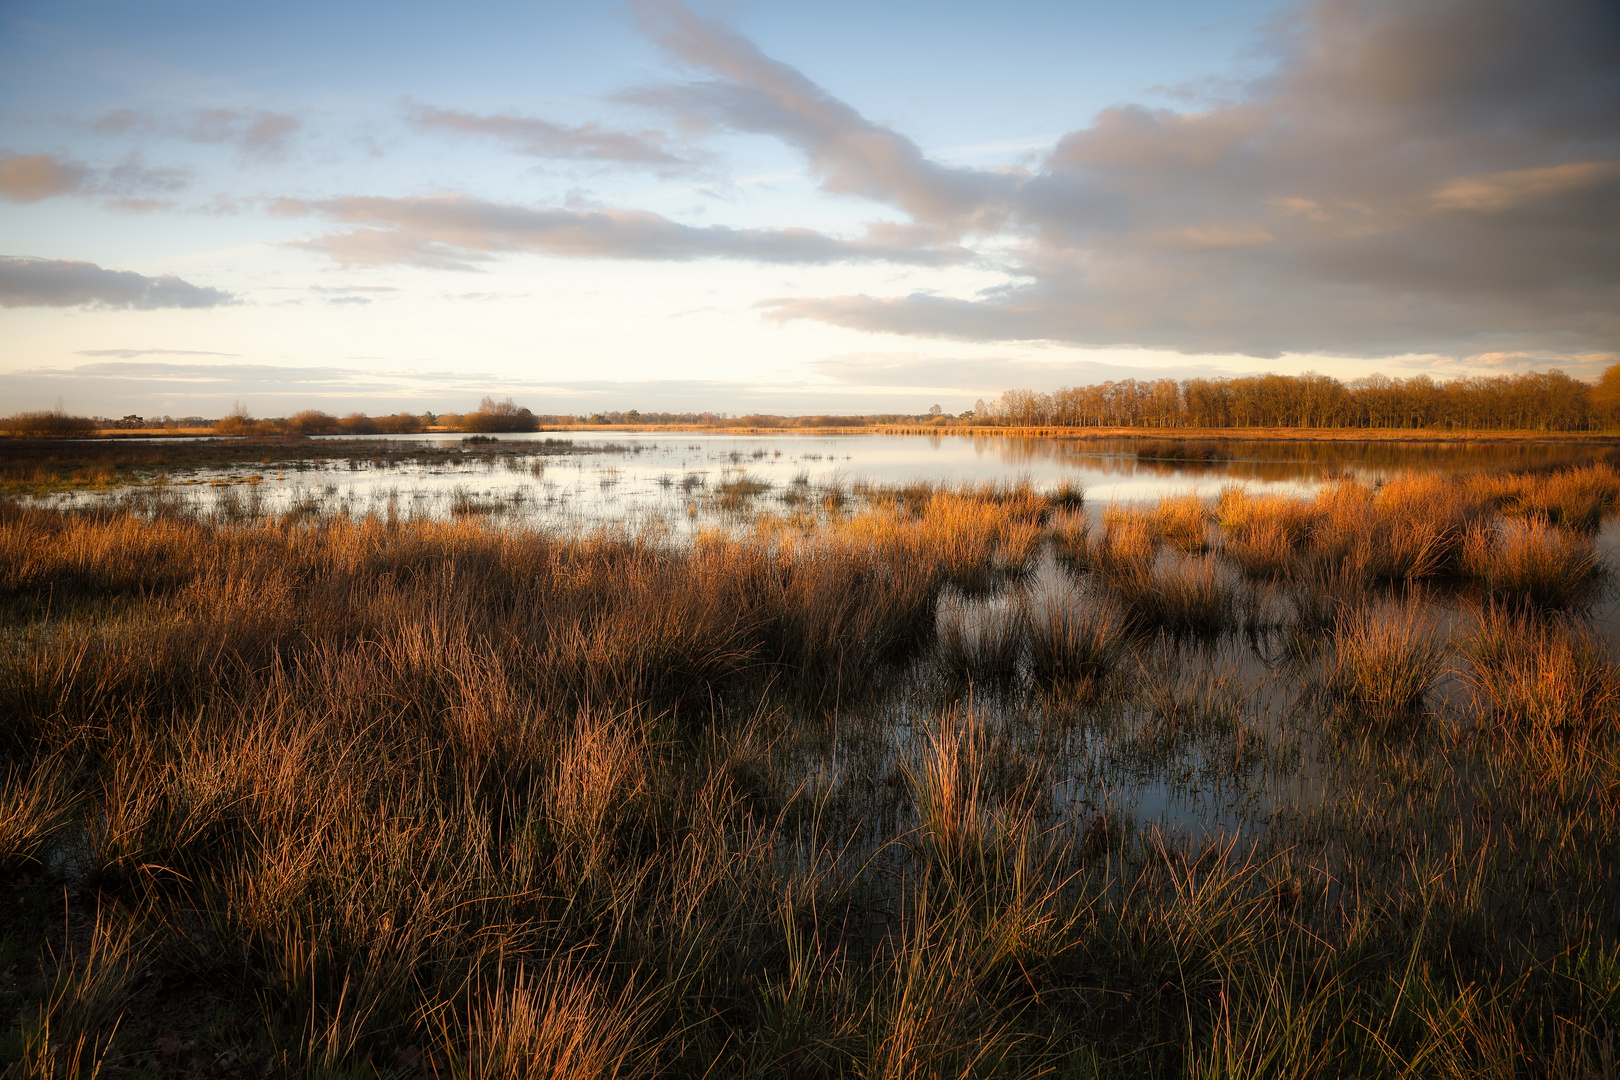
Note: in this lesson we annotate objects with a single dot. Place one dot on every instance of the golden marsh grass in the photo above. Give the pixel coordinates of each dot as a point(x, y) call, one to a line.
point(327, 795)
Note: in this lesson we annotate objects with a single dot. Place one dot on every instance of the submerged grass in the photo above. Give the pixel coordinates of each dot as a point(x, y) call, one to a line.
point(321, 796)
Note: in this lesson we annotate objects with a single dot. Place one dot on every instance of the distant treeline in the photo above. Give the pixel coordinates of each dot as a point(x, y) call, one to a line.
point(1537, 401)
point(761, 420)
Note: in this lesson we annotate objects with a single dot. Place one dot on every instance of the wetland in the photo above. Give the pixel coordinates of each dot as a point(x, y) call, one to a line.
point(678, 753)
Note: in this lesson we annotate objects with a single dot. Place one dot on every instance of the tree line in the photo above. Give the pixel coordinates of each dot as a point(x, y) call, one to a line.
point(1534, 401)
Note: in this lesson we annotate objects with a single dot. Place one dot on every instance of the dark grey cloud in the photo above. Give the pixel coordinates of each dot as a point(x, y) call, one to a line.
point(1412, 177)
point(70, 283)
point(548, 139)
point(989, 375)
point(457, 231)
point(32, 177)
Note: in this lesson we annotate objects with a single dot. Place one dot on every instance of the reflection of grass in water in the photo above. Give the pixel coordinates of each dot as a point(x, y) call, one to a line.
point(418, 796)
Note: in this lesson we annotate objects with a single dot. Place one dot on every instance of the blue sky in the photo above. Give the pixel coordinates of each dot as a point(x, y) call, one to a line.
point(792, 207)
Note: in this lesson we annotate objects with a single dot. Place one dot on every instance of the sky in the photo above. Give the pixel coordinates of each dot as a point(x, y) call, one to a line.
point(741, 205)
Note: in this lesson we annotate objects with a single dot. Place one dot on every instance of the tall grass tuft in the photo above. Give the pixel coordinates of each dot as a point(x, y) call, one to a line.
point(1386, 659)
point(981, 642)
point(1533, 565)
point(35, 802)
point(1262, 534)
point(1178, 594)
point(1541, 676)
point(1577, 498)
point(70, 1033)
point(560, 1022)
point(1183, 522)
point(1078, 639)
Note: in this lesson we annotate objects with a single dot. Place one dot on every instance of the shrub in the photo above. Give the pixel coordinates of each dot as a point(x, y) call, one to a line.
point(495, 415)
point(48, 424)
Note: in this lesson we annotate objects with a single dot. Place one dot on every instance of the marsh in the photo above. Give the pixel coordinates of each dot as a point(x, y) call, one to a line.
point(1224, 765)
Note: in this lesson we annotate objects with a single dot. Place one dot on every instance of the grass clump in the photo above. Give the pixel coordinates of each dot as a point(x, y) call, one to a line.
point(1174, 593)
point(1386, 658)
point(1263, 534)
point(1076, 640)
point(1529, 564)
point(394, 797)
point(1577, 498)
point(1541, 676)
point(1183, 522)
point(981, 643)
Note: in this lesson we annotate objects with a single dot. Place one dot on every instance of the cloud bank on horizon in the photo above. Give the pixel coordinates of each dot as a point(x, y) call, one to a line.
point(1438, 179)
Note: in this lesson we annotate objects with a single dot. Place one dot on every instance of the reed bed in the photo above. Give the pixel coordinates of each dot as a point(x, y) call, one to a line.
point(321, 795)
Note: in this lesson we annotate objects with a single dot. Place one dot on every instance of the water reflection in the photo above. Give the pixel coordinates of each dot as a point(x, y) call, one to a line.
point(642, 477)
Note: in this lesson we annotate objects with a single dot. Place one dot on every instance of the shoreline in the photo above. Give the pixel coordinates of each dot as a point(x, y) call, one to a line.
point(1071, 434)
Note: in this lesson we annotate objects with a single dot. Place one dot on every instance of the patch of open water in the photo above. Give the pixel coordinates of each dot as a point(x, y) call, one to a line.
point(579, 479)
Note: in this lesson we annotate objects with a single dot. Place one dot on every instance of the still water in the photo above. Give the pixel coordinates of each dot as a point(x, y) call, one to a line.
point(588, 479)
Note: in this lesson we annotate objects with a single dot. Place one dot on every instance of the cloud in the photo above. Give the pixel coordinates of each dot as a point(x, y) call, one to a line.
point(257, 133)
point(988, 375)
point(131, 354)
point(1440, 177)
point(454, 232)
point(850, 154)
point(123, 122)
point(547, 139)
point(127, 186)
point(32, 177)
point(1505, 190)
point(70, 283)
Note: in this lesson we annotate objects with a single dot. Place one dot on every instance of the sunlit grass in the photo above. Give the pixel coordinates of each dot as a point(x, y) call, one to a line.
point(858, 789)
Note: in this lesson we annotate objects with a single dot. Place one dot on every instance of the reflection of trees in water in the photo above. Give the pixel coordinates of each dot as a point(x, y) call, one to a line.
point(1273, 461)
